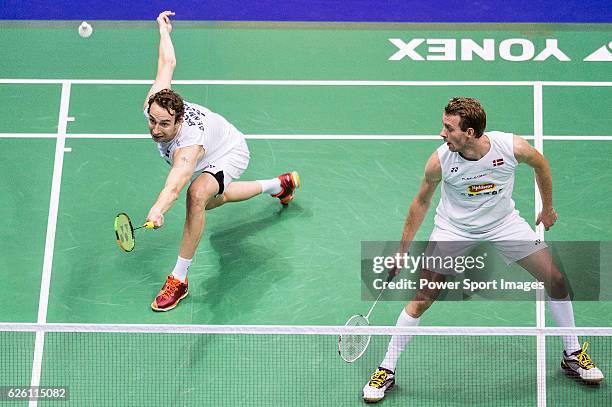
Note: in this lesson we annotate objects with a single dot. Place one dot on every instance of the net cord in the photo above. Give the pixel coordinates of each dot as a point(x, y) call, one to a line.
point(305, 329)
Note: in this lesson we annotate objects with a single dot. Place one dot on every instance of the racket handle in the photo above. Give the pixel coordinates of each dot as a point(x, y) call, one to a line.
point(149, 225)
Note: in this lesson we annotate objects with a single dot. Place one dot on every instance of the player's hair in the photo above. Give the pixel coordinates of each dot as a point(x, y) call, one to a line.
point(171, 101)
point(470, 112)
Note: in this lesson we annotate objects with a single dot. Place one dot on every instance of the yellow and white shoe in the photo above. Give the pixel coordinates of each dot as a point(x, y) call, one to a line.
point(381, 381)
point(579, 364)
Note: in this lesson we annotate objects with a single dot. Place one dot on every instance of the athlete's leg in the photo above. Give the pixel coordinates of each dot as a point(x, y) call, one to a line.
point(200, 192)
point(442, 243)
point(575, 359)
point(517, 242)
point(230, 167)
point(282, 188)
point(540, 265)
point(383, 378)
point(410, 316)
point(236, 192)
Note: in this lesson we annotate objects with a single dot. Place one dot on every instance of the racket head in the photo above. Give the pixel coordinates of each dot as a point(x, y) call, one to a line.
point(350, 346)
point(124, 231)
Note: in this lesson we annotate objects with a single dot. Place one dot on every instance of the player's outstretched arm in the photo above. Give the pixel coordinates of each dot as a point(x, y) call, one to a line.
point(166, 60)
point(422, 201)
point(183, 165)
point(525, 153)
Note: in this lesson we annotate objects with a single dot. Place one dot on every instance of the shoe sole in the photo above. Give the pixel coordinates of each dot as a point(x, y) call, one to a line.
point(295, 179)
point(572, 373)
point(154, 308)
point(374, 401)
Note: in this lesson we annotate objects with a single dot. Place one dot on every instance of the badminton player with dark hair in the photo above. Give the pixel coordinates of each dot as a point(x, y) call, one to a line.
point(203, 150)
point(476, 169)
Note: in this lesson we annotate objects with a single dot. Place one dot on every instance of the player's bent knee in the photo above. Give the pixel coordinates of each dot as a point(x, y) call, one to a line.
point(558, 280)
point(197, 199)
point(555, 283)
point(216, 202)
point(201, 195)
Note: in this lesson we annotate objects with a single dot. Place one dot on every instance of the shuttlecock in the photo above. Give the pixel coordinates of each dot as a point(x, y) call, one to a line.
point(85, 29)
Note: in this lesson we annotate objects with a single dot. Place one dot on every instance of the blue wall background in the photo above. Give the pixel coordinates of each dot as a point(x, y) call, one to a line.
point(546, 11)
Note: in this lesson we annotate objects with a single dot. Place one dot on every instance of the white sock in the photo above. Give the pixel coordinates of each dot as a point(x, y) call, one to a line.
point(563, 314)
point(397, 344)
point(181, 268)
point(270, 186)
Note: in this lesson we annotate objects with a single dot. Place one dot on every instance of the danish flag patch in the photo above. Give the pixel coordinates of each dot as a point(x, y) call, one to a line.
point(498, 162)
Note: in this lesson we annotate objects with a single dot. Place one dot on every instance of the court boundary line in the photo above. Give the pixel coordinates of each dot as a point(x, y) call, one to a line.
point(538, 131)
point(299, 82)
point(414, 137)
point(45, 284)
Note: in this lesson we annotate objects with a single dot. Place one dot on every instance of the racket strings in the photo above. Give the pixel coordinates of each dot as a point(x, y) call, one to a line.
point(352, 346)
point(124, 232)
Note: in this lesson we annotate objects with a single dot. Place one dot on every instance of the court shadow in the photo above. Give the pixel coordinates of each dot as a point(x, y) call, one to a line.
point(248, 266)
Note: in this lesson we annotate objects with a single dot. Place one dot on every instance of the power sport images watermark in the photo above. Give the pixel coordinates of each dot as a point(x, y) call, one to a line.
point(483, 270)
point(457, 264)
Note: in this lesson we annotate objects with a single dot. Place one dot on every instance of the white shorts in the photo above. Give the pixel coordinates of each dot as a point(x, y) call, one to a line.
point(513, 240)
point(228, 167)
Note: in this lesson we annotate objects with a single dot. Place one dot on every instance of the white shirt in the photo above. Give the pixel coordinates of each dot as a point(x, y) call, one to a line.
point(202, 127)
point(477, 195)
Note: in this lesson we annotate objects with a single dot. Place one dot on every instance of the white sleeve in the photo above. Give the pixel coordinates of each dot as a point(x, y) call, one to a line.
point(191, 136)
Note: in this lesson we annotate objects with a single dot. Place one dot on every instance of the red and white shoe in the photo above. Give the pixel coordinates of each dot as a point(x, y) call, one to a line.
point(171, 293)
point(289, 182)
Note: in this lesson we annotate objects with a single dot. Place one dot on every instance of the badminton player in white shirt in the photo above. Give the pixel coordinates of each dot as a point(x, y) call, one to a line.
point(476, 169)
point(203, 150)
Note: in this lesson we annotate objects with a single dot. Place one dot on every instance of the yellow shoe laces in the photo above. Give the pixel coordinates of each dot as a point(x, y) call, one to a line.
point(583, 359)
point(378, 379)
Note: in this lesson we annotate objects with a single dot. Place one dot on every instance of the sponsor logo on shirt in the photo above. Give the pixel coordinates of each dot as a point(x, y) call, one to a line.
point(194, 117)
point(480, 189)
point(477, 176)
